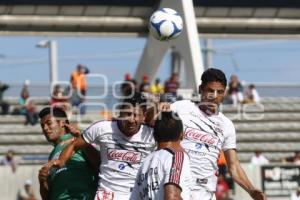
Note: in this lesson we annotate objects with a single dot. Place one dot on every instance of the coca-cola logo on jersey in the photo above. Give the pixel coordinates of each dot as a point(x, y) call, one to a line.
point(200, 136)
point(124, 155)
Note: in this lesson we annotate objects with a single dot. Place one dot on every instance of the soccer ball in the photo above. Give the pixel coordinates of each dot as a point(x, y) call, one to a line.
point(165, 24)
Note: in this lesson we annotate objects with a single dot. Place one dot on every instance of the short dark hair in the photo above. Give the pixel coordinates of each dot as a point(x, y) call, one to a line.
point(168, 127)
point(213, 75)
point(136, 100)
point(56, 112)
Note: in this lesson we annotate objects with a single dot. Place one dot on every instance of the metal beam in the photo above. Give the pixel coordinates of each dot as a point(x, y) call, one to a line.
point(137, 26)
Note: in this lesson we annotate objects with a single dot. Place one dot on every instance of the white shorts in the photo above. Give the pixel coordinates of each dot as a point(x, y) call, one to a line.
point(202, 194)
point(108, 195)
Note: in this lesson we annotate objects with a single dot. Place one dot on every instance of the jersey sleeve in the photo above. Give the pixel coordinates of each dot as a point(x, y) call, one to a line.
point(230, 139)
point(180, 106)
point(92, 134)
point(173, 169)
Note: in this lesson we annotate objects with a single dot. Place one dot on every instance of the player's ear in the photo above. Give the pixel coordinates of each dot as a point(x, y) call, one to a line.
point(199, 89)
point(181, 136)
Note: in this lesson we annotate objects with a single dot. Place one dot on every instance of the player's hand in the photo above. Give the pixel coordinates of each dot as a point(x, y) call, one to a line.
point(54, 163)
point(257, 194)
point(43, 174)
point(73, 130)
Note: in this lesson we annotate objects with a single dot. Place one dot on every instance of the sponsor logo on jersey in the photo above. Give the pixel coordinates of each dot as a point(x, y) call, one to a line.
point(200, 136)
point(124, 155)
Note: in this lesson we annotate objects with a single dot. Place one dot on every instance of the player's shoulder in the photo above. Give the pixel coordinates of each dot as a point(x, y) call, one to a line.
point(102, 124)
point(182, 104)
point(226, 120)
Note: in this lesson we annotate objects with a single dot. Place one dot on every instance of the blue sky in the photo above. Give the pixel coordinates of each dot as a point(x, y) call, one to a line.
point(256, 60)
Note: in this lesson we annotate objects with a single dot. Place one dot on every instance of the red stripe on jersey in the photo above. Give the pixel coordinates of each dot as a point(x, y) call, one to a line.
point(176, 167)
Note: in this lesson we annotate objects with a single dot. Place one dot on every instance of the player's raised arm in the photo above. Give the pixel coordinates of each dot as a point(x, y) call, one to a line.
point(66, 154)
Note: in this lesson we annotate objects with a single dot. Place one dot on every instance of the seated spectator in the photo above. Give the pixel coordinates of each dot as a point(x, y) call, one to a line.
point(4, 105)
point(157, 88)
point(251, 95)
point(145, 85)
point(128, 88)
point(293, 159)
point(26, 193)
point(235, 90)
point(222, 190)
point(259, 159)
point(59, 99)
point(28, 107)
point(171, 87)
point(10, 160)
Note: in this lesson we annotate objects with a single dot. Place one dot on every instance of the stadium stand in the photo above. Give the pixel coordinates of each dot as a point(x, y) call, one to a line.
point(272, 127)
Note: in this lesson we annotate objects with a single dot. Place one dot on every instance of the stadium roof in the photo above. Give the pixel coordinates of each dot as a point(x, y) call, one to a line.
point(130, 17)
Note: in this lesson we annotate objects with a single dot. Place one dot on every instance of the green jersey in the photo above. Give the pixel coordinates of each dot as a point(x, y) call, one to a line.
point(76, 180)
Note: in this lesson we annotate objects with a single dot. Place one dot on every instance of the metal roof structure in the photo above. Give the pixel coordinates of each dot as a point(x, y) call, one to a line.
point(269, 18)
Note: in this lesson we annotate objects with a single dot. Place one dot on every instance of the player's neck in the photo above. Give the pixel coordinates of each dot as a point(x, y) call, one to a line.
point(209, 111)
point(171, 144)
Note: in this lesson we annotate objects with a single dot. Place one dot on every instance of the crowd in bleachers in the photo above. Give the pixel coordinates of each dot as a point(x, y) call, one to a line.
point(235, 95)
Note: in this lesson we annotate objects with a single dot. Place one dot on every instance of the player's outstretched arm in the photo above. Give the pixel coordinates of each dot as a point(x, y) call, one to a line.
point(239, 176)
point(172, 192)
point(67, 153)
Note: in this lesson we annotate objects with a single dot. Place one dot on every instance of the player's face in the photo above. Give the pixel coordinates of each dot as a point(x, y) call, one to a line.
point(130, 119)
point(52, 128)
point(212, 95)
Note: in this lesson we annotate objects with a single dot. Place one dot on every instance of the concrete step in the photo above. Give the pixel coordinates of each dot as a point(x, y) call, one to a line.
point(259, 117)
point(19, 129)
point(26, 149)
point(271, 156)
point(22, 139)
point(20, 119)
point(268, 146)
point(248, 108)
point(268, 137)
point(267, 127)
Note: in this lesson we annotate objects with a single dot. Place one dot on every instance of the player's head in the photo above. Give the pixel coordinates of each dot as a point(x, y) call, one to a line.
point(53, 120)
point(132, 114)
point(168, 127)
point(212, 88)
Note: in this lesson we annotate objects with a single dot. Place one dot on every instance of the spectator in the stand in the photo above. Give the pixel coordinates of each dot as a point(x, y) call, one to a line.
point(222, 190)
point(79, 86)
point(296, 195)
point(171, 87)
point(251, 95)
point(10, 160)
point(259, 159)
point(145, 85)
point(59, 99)
point(293, 159)
point(157, 88)
point(235, 91)
point(28, 107)
point(129, 87)
point(222, 164)
point(27, 192)
point(4, 105)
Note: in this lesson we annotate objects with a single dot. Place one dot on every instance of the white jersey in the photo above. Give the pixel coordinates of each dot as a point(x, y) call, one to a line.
point(162, 167)
point(204, 137)
point(121, 156)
